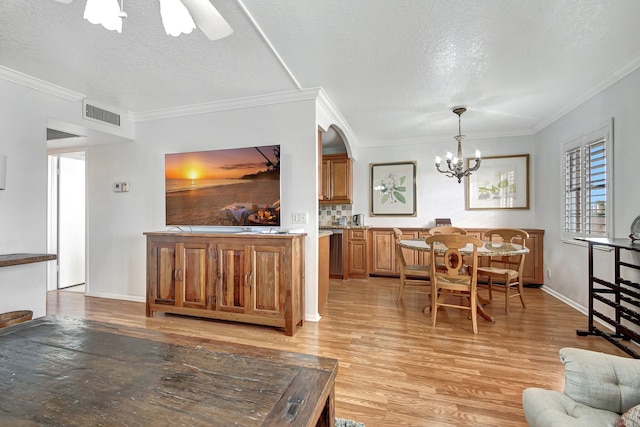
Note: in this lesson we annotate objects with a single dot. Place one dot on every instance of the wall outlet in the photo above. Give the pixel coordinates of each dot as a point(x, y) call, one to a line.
point(549, 273)
point(120, 187)
point(300, 218)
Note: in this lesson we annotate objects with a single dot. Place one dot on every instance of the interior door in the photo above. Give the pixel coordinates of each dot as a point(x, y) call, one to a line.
point(71, 220)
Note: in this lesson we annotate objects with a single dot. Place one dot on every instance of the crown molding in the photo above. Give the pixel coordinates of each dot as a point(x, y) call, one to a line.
point(323, 101)
point(617, 74)
point(39, 85)
point(231, 104)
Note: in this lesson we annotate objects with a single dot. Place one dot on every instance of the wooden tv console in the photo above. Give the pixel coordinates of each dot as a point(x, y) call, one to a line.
point(252, 278)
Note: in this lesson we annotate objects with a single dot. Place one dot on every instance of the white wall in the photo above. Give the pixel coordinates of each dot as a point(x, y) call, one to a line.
point(568, 262)
point(117, 221)
point(439, 196)
point(23, 204)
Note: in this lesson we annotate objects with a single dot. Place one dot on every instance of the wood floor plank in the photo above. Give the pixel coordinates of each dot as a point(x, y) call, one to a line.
point(395, 368)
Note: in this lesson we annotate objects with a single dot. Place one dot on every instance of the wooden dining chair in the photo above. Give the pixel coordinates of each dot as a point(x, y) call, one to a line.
point(453, 280)
point(506, 269)
point(414, 274)
point(446, 229)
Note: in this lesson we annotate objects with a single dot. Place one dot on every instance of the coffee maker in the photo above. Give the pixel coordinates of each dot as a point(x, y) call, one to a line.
point(357, 219)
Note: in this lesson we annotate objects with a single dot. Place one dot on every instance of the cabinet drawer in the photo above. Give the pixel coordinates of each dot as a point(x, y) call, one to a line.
point(358, 234)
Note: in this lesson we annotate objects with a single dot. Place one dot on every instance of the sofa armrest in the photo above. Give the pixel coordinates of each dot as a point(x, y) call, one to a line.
point(601, 380)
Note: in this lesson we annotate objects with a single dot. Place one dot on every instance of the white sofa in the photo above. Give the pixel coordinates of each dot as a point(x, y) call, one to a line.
point(598, 389)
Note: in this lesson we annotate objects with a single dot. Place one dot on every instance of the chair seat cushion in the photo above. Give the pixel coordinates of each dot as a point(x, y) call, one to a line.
point(413, 268)
point(496, 271)
point(550, 408)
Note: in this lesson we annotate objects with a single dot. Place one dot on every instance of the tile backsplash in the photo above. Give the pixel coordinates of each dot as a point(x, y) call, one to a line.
point(329, 214)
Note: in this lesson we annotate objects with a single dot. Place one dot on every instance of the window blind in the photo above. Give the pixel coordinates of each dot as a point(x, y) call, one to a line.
point(573, 191)
point(596, 189)
point(585, 200)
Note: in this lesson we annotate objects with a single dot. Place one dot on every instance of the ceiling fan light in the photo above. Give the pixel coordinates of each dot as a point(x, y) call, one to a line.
point(176, 18)
point(105, 13)
point(208, 19)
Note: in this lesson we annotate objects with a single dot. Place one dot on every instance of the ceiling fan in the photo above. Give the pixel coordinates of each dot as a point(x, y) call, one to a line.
point(178, 16)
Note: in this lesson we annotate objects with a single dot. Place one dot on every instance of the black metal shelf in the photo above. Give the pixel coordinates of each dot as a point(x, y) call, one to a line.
point(625, 300)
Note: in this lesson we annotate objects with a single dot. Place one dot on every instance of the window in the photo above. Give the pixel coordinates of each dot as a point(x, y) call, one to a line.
point(588, 186)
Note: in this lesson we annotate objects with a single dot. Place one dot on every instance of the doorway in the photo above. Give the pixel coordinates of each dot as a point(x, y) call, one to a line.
point(68, 218)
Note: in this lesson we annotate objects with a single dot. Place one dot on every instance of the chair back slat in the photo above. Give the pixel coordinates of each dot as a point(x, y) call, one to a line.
point(447, 229)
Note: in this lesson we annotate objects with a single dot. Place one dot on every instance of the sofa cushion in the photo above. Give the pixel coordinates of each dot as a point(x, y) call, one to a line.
point(550, 408)
point(631, 418)
point(601, 380)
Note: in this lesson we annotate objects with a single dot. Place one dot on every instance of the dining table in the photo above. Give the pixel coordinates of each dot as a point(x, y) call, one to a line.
point(488, 249)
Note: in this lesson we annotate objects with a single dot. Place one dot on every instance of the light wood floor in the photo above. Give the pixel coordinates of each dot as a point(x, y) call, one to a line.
point(395, 368)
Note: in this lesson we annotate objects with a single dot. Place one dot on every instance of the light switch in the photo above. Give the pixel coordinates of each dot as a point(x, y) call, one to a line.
point(300, 218)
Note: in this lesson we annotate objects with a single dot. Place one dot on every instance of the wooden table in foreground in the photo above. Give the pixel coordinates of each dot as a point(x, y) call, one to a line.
point(60, 371)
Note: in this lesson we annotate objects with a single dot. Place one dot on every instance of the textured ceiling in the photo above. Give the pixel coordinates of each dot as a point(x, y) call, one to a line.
point(394, 69)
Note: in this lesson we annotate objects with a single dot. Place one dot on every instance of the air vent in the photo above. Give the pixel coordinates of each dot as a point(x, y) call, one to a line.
point(101, 115)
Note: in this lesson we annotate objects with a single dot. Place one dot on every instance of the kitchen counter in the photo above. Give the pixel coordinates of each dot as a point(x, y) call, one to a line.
point(324, 233)
point(342, 227)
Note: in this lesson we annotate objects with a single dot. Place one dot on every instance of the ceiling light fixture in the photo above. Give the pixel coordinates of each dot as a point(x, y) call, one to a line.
point(178, 16)
point(455, 164)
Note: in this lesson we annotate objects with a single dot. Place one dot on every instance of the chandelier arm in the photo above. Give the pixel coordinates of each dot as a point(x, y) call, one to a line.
point(456, 169)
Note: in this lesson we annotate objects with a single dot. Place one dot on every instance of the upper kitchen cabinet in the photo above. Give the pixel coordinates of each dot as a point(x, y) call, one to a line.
point(337, 170)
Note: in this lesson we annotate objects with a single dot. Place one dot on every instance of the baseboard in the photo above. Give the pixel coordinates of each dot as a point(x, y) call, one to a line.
point(116, 296)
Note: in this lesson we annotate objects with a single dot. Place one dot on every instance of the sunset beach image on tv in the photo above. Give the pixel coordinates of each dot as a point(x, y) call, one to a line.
point(234, 187)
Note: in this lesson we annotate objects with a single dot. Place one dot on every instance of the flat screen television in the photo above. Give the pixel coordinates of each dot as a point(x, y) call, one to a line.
point(234, 187)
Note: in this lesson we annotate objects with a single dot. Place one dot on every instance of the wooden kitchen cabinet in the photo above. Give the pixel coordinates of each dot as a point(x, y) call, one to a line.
point(337, 172)
point(383, 251)
point(357, 253)
point(254, 279)
point(383, 260)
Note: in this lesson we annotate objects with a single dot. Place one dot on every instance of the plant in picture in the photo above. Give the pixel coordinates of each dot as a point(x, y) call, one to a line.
point(392, 189)
point(497, 190)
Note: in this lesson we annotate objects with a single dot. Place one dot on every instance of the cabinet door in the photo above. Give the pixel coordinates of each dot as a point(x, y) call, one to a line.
point(533, 271)
point(336, 175)
point(358, 258)
point(266, 280)
point(341, 186)
point(233, 277)
point(382, 252)
point(194, 274)
point(162, 281)
point(326, 180)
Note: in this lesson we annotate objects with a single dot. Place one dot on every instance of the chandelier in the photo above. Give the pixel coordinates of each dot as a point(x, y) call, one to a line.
point(454, 164)
point(178, 16)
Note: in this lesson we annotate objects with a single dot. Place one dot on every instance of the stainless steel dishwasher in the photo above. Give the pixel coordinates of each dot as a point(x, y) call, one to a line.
point(336, 253)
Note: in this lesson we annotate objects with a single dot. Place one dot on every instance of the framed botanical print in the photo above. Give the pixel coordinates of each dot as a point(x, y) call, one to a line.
point(502, 182)
point(393, 189)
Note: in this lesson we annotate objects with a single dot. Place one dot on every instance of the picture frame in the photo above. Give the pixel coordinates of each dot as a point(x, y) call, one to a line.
point(393, 189)
point(501, 182)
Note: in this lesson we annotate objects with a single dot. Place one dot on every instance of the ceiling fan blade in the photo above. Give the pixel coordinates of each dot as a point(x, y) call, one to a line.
point(208, 19)
point(64, 1)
